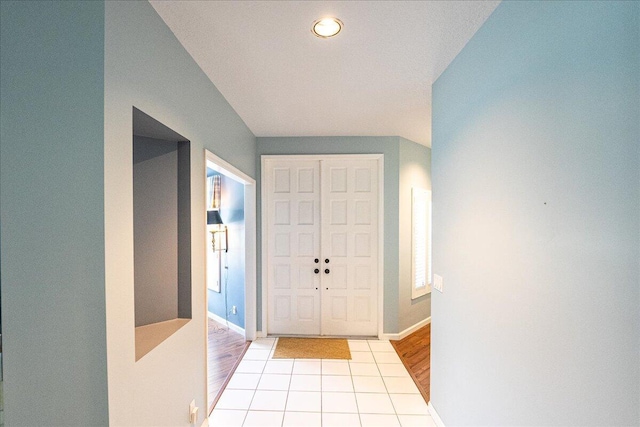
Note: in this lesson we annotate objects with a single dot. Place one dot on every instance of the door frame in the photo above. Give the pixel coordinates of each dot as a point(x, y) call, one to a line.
point(250, 220)
point(264, 228)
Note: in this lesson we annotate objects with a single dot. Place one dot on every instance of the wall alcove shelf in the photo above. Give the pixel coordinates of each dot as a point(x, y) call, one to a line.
point(150, 336)
point(161, 232)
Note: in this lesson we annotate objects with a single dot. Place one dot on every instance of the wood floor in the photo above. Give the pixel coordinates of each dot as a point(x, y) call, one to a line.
point(415, 353)
point(225, 349)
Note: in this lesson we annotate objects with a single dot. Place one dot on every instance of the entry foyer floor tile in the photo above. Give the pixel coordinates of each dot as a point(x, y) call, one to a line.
point(372, 389)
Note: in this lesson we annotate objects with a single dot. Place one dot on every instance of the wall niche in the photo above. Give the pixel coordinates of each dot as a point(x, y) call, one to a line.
point(161, 231)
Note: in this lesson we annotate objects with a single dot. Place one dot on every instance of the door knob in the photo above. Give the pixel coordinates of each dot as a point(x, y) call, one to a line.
point(316, 271)
point(326, 271)
point(316, 260)
point(326, 261)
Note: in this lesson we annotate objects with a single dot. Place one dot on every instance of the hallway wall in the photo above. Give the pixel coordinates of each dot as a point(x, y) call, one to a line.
point(536, 178)
point(51, 204)
point(146, 67)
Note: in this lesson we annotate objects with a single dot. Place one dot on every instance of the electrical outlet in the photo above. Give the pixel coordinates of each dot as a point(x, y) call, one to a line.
point(234, 310)
point(437, 282)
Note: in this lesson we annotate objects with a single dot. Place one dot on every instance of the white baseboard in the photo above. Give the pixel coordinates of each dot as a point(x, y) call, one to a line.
point(398, 336)
point(434, 415)
point(408, 331)
point(219, 319)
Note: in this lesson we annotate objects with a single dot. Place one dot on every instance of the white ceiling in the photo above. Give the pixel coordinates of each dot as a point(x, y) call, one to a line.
point(374, 78)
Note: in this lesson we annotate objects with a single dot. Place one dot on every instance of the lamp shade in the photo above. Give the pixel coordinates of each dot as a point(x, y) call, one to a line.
point(213, 218)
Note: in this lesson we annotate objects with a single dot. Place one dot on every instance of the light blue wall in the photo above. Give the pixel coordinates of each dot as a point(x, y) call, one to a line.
point(415, 171)
point(536, 197)
point(147, 67)
point(51, 198)
point(233, 279)
point(150, 67)
point(389, 146)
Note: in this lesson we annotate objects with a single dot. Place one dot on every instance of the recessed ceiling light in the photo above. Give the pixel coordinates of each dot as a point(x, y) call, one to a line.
point(326, 27)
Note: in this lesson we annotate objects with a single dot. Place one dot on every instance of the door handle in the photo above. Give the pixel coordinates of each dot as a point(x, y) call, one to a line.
point(326, 271)
point(316, 271)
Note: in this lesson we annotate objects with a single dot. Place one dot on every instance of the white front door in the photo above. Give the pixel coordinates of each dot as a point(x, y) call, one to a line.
point(322, 244)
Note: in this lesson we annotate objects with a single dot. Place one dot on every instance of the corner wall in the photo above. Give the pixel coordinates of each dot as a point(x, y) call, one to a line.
point(415, 171)
point(146, 67)
point(536, 178)
point(51, 198)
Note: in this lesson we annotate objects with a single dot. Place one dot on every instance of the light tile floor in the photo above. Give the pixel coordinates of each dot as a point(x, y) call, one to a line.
point(372, 389)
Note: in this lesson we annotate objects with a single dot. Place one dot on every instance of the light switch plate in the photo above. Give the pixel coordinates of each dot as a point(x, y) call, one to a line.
point(193, 412)
point(437, 282)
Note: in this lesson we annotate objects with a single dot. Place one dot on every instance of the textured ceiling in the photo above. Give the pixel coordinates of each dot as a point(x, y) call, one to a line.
point(374, 78)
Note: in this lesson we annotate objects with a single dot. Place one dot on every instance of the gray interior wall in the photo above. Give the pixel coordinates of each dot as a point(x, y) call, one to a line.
point(415, 171)
point(184, 230)
point(155, 227)
point(536, 198)
point(350, 145)
point(51, 205)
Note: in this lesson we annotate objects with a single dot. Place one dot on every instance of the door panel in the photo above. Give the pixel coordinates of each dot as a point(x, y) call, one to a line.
point(293, 230)
point(349, 230)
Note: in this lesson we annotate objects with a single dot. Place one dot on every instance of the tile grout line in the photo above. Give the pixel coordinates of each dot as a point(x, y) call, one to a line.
point(321, 396)
point(385, 388)
point(256, 389)
point(354, 386)
point(286, 400)
point(395, 411)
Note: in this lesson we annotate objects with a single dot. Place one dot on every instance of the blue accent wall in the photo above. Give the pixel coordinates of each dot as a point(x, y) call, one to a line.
point(536, 219)
point(233, 277)
point(52, 210)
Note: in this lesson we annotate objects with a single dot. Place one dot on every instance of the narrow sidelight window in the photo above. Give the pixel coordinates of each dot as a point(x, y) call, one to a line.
point(421, 242)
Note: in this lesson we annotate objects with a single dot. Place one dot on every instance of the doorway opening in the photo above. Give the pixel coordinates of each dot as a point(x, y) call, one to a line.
point(230, 270)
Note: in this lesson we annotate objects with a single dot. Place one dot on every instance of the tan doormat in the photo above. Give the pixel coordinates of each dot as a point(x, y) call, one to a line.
point(312, 348)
